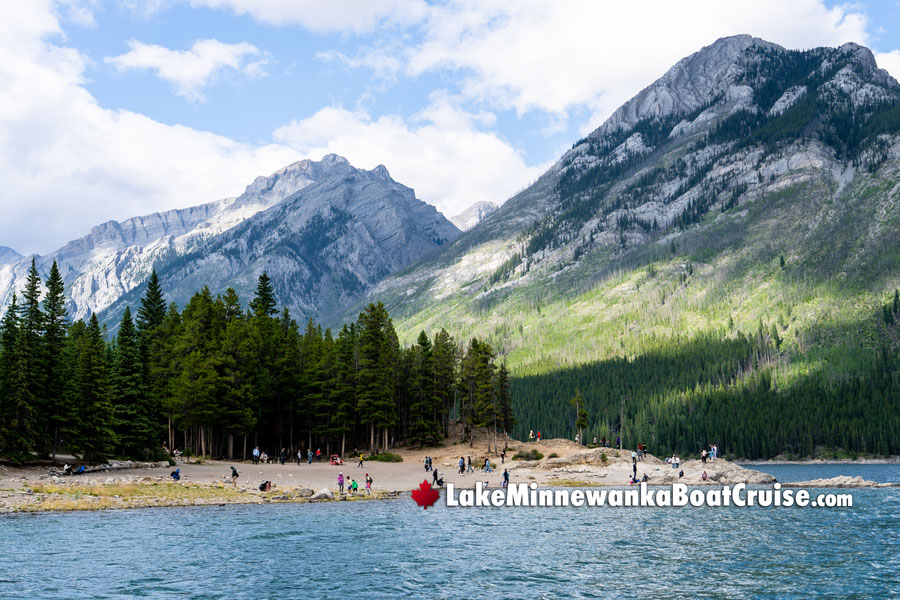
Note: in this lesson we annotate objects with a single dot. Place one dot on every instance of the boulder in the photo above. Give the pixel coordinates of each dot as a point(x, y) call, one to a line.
point(305, 492)
point(323, 495)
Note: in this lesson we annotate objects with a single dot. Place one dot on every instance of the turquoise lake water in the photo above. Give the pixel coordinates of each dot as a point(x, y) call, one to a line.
point(394, 548)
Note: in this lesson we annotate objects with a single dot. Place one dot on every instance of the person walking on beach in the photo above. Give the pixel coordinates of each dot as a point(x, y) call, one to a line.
point(434, 478)
point(234, 476)
point(531, 435)
point(633, 457)
point(368, 485)
point(299, 456)
point(256, 455)
point(703, 456)
point(318, 455)
point(538, 436)
point(469, 468)
point(505, 478)
point(487, 465)
point(503, 456)
point(360, 464)
point(634, 469)
point(282, 456)
point(341, 482)
point(462, 465)
point(309, 456)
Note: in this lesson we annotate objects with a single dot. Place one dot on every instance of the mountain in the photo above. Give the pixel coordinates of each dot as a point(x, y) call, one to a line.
point(473, 215)
point(8, 256)
point(323, 246)
point(115, 257)
point(730, 230)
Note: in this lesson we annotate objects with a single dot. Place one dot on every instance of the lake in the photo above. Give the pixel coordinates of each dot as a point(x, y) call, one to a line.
point(392, 548)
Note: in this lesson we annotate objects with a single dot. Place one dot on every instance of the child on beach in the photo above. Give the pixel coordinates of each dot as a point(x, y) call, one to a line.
point(234, 476)
point(368, 485)
point(359, 466)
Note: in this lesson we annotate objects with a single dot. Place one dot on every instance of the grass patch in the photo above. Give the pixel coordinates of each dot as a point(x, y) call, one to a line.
point(528, 455)
point(386, 457)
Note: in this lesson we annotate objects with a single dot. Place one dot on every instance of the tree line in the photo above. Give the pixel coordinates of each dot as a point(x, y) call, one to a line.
point(216, 378)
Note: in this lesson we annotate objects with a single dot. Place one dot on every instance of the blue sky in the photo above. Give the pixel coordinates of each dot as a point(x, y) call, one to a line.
point(115, 108)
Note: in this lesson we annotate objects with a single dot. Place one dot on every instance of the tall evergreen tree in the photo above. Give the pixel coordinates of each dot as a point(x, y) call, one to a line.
point(56, 323)
point(264, 304)
point(135, 428)
point(95, 437)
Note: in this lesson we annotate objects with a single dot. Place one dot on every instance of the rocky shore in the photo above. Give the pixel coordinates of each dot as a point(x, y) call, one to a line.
point(125, 484)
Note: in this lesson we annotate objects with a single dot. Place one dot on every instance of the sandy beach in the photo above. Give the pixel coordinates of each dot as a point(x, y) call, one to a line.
point(209, 482)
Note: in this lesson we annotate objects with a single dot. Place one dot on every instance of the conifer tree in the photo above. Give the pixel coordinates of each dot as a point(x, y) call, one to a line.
point(95, 435)
point(134, 422)
point(56, 323)
point(264, 304)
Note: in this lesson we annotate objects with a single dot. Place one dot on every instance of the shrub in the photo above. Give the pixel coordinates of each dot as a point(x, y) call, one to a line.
point(529, 455)
point(385, 457)
point(603, 457)
point(553, 455)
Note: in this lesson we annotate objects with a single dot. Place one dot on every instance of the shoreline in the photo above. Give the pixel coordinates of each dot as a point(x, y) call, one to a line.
point(892, 460)
point(208, 483)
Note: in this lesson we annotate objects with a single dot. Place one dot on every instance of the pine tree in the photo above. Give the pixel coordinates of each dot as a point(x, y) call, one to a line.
point(134, 422)
point(507, 417)
point(153, 306)
point(32, 370)
point(377, 360)
point(95, 438)
point(422, 426)
point(16, 435)
point(581, 417)
point(445, 386)
point(264, 304)
point(54, 341)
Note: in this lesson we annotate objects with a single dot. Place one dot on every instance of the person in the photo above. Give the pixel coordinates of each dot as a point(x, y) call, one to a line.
point(426, 464)
point(264, 458)
point(531, 435)
point(603, 441)
point(80, 470)
point(309, 456)
point(595, 440)
point(368, 485)
point(318, 455)
point(299, 456)
point(67, 469)
point(234, 476)
point(503, 456)
point(487, 465)
point(577, 439)
point(505, 478)
point(262, 486)
point(633, 457)
point(440, 482)
point(469, 468)
point(704, 476)
point(703, 456)
point(640, 452)
point(645, 478)
point(462, 465)
point(538, 436)
point(176, 475)
point(354, 487)
point(677, 461)
point(283, 456)
point(681, 474)
point(618, 442)
point(341, 482)
point(434, 477)
point(256, 455)
point(360, 464)
point(634, 469)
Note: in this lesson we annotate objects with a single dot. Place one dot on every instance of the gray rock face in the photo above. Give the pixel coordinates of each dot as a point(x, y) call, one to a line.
point(115, 257)
point(735, 122)
point(473, 215)
point(322, 247)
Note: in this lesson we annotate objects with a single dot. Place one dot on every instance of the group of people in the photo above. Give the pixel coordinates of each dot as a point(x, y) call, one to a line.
point(710, 454)
point(674, 461)
point(531, 436)
point(466, 467)
point(352, 485)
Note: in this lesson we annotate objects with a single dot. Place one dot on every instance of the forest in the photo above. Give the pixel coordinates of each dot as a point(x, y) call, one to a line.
point(216, 378)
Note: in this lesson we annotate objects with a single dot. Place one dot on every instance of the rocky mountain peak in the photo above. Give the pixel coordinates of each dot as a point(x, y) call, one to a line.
point(473, 215)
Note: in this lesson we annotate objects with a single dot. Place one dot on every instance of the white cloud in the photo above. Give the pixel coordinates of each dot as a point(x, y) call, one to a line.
point(442, 152)
point(890, 62)
point(190, 71)
point(68, 164)
point(554, 57)
point(356, 16)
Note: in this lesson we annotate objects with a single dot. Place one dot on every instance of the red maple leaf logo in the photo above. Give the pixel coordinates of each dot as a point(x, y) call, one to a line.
point(424, 495)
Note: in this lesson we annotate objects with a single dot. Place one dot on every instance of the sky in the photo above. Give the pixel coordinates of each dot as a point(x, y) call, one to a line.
point(116, 108)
